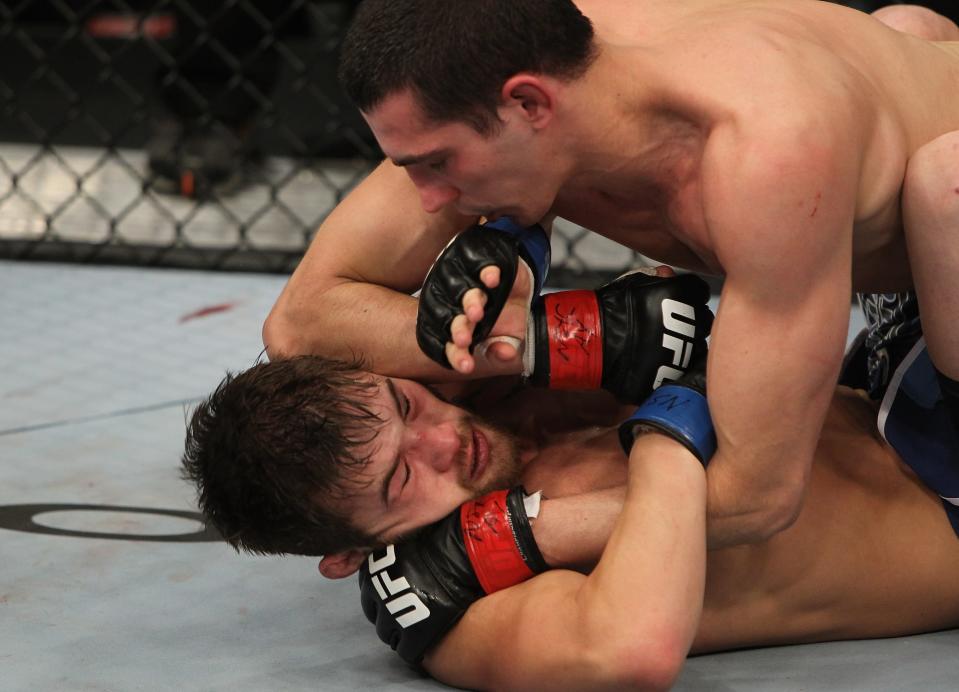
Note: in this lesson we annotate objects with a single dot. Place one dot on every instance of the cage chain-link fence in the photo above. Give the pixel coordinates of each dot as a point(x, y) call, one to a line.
point(199, 133)
point(207, 134)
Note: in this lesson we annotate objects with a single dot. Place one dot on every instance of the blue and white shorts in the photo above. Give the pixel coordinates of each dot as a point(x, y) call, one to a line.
point(914, 420)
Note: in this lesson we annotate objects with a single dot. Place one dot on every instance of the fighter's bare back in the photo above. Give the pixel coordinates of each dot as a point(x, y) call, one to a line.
point(886, 91)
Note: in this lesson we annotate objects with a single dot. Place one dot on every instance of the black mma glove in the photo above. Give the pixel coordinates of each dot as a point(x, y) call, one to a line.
point(414, 592)
point(501, 243)
point(677, 409)
point(627, 337)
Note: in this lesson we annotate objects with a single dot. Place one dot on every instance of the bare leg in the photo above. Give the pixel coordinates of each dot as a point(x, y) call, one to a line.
point(918, 21)
point(930, 204)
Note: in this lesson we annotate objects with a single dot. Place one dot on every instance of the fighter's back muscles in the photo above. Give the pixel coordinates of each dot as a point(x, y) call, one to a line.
point(349, 294)
point(566, 631)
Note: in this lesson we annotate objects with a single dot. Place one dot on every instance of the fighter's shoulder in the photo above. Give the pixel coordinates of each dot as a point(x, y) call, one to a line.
point(759, 58)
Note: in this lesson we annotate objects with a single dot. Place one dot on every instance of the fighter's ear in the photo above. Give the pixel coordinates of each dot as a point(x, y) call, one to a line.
point(339, 565)
point(531, 93)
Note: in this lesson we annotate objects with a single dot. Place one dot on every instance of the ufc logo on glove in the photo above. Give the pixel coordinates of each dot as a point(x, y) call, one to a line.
point(387, 587)
point(674, 331)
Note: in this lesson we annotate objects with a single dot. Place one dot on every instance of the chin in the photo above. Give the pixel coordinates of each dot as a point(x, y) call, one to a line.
point(529, 218)
point(504, 469)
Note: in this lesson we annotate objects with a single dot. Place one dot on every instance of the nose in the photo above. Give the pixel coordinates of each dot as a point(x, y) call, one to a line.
point(434, 197)
point(434, 192)
point(435, 445)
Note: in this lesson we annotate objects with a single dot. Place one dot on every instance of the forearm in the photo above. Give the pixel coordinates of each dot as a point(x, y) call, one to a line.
point(630, 623)
point(768, 398)
point(767, 439)
point(573, 531)
point(353, 319)
point(757, 478)
point(648, 586)
point(350, 294)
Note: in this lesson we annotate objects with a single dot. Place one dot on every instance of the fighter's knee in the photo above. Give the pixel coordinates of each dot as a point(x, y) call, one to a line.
point(931, 183)
point(918, 21)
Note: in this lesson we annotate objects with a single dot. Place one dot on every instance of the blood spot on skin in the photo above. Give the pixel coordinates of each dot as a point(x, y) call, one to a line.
point(815, 207)
point(207, 311)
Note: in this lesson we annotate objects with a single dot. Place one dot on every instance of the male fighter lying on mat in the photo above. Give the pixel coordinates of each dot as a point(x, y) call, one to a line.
point(795, 147)
point(317, 457)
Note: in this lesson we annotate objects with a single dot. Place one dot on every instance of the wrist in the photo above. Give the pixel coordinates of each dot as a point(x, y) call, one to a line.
point(549, 534)
point(498, 539)
point(566, 341)
point(492, 359)
point(655, 448)
point(677, 411)
point(572, 531)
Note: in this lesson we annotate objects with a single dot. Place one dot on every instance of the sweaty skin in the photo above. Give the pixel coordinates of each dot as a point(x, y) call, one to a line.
point(766, 141)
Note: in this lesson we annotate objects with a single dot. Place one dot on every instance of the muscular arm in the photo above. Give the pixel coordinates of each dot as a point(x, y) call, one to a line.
point(349, 295)
point(781, 212)
point(568, 631)
point(573, 531)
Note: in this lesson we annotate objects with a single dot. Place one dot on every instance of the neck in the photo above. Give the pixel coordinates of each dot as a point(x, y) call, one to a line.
point(623, 136)
point(577, 462)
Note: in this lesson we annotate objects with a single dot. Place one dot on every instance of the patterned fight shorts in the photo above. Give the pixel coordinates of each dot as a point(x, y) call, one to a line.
point(915, 420)
point(892, 329)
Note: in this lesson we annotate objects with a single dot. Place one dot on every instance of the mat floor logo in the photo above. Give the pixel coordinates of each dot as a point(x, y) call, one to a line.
point(23, 518)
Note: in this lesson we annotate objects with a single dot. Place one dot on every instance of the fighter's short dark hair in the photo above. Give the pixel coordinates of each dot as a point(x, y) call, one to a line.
point(273, 444)
point(455, 55)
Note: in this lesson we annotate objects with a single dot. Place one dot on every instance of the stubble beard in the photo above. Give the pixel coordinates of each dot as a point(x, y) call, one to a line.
point(505, 468)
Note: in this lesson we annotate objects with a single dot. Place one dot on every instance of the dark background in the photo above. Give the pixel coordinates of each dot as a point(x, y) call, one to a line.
point(63, 83)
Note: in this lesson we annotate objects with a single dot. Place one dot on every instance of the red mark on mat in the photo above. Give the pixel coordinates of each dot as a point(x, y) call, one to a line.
point(207, 311)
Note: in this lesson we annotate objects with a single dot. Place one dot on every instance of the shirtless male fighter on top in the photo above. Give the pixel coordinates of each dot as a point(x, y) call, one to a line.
point(799, 148)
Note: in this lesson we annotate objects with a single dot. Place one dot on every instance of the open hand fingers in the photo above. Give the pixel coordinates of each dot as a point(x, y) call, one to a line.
point(460, 358)
point(503, 349)
point(461, 331)
point(490, 276)
point(664, 271)
point(473, 303)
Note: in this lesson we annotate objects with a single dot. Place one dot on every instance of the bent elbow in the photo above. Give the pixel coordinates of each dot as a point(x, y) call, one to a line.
point(779, 512)
point(277, 336)
point(650, 667)
point(787, 512)
point(748, 506)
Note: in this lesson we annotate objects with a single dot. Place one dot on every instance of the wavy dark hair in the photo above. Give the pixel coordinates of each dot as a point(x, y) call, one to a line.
point(271, 443)
point(456, 55)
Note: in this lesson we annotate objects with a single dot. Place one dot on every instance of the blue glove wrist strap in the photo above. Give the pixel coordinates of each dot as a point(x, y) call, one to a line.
point(535, 247)
point(680, 412)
